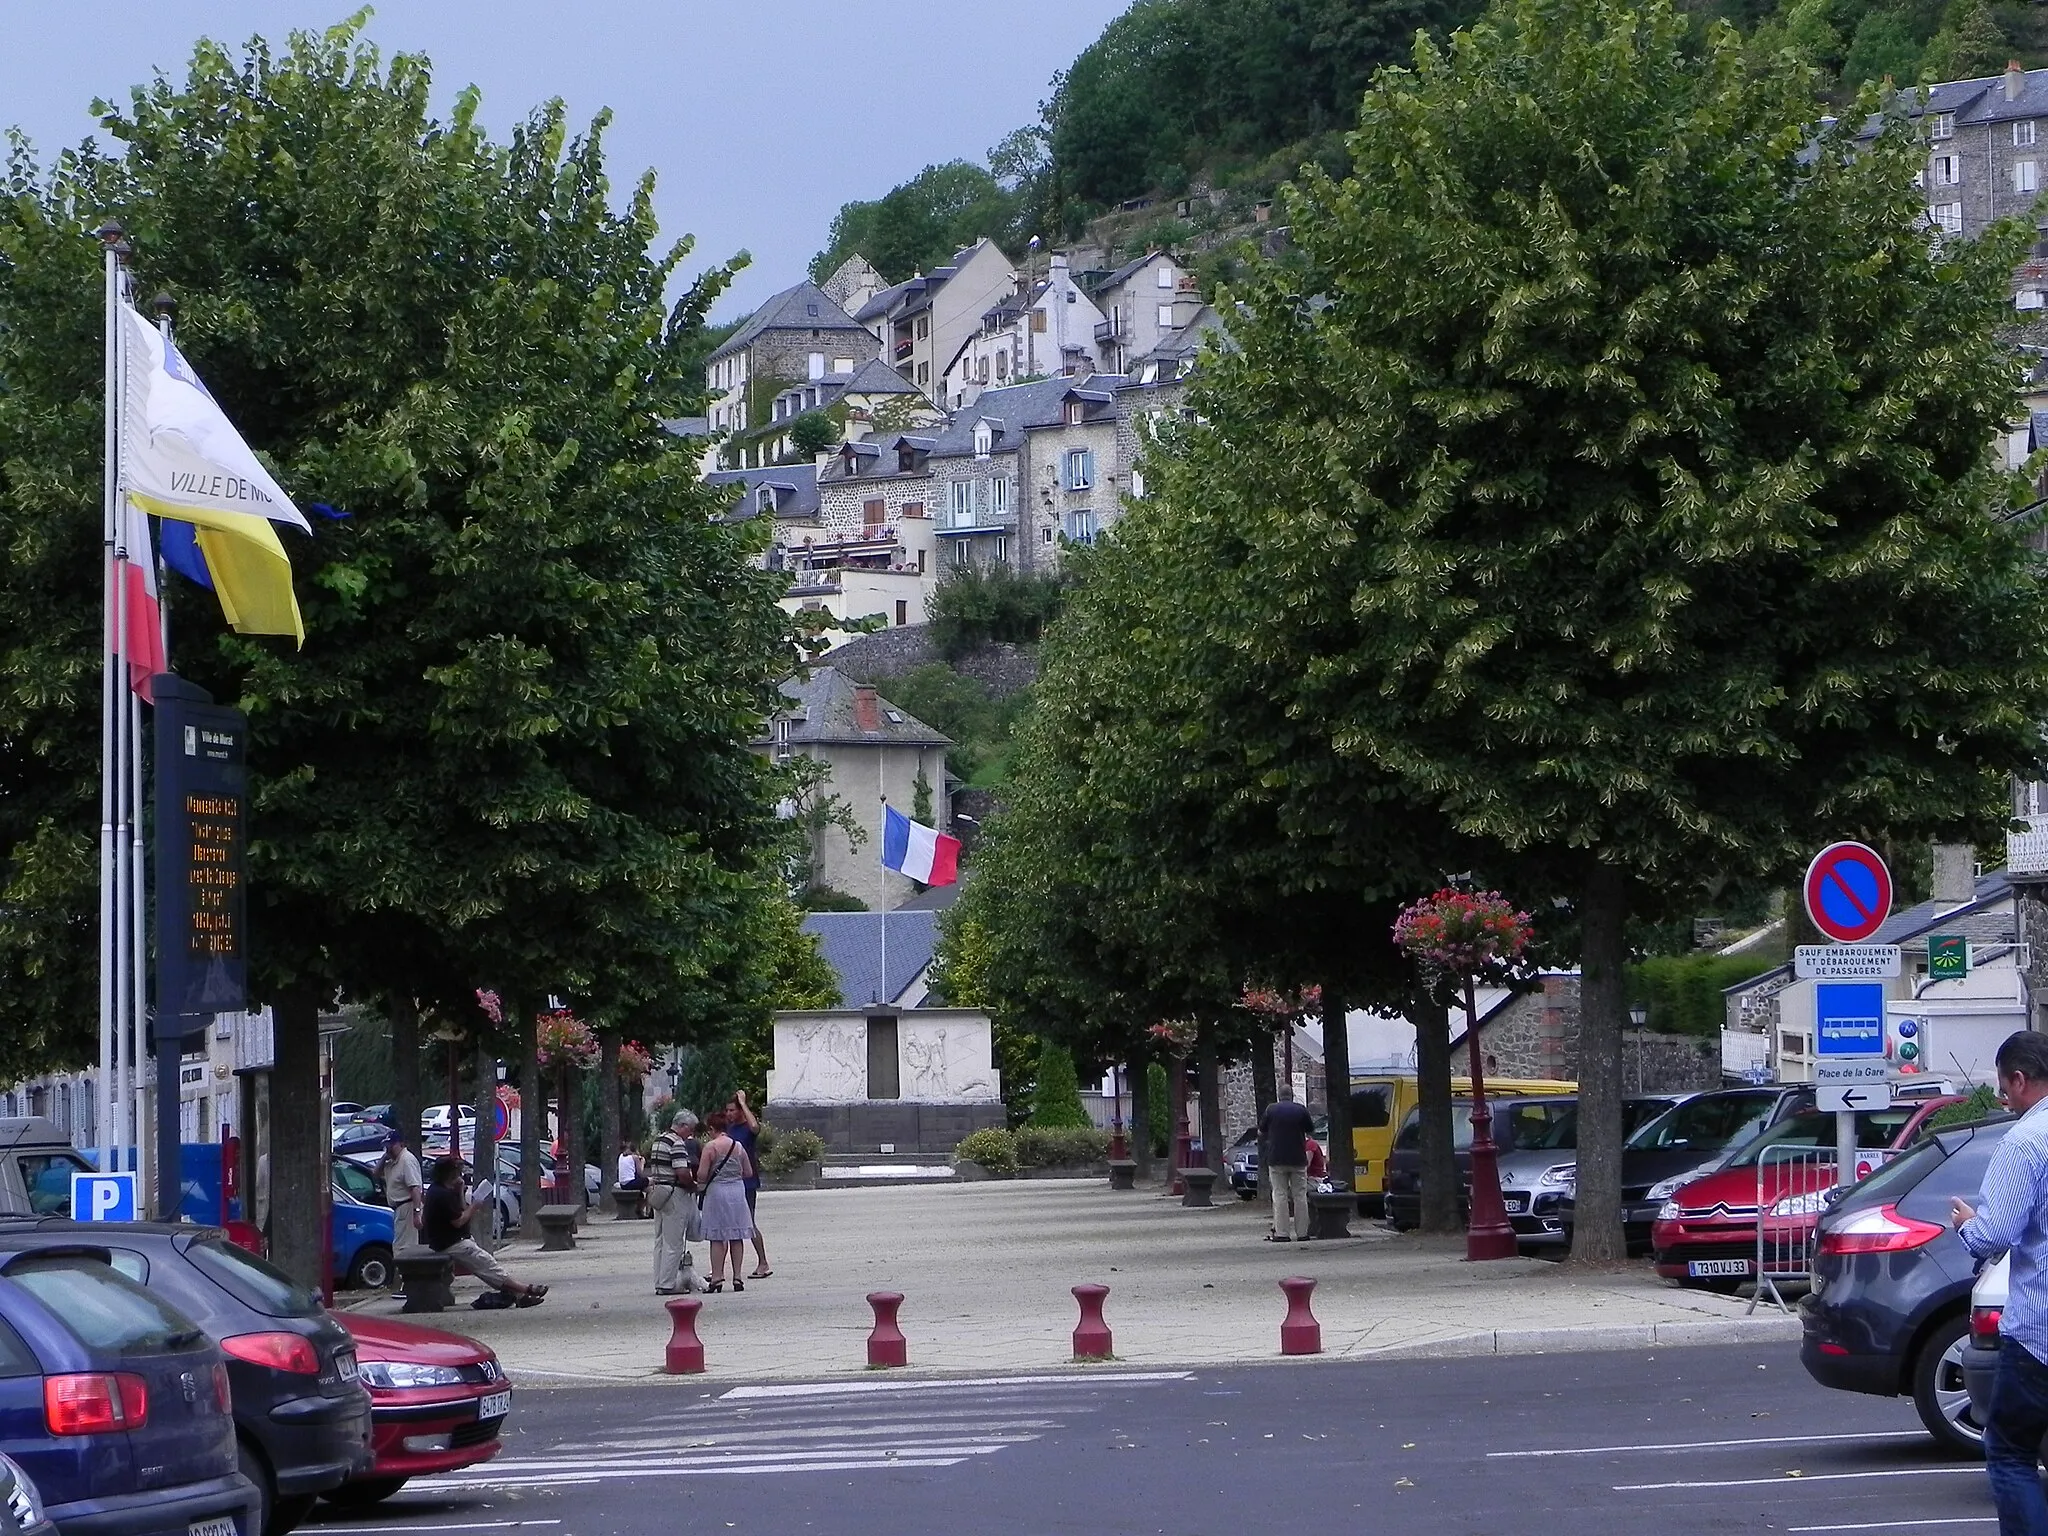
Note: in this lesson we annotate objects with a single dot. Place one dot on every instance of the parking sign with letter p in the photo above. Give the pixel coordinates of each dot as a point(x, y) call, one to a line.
point(103, 1197)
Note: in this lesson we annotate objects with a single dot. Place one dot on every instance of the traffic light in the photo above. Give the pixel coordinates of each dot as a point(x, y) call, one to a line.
point(1908, 1045)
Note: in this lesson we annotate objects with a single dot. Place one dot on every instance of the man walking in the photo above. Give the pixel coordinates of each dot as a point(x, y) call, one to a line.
point(671, 1191)
point(2014, 1220)
point(1284, 1131)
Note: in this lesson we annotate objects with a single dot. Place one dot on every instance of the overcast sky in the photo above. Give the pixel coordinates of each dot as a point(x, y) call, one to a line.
point(760, 117)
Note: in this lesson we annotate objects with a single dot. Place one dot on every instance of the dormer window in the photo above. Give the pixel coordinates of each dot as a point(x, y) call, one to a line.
point(906, 458)
point(1076, 412)
point(984, 439)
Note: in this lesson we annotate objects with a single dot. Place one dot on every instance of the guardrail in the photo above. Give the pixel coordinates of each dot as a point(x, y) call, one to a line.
point(1792, 1189)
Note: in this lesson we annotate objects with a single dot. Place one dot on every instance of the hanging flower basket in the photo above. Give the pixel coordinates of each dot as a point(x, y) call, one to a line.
point(635, 1062)
point(1175, 1036)
point(1278, 1009)
point(493, 1008)
point(1471, 934)
point(565, 1041)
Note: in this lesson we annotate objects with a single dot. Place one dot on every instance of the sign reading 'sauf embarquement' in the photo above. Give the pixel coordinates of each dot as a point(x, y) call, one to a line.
point(1845, 962)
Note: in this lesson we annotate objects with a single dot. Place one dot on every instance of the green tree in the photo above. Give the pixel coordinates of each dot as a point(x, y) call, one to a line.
point(812, 433)
point(1611, 439)
point(1881, 49)
point(920, 224)
point(1056, 1099)
point(513, 750)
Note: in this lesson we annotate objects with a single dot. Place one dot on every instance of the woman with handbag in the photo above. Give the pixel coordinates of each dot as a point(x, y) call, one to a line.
point(722, 1170)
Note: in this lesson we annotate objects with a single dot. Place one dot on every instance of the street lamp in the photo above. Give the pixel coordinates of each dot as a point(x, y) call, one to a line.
point(1118, 1151)
point(1639, 1015)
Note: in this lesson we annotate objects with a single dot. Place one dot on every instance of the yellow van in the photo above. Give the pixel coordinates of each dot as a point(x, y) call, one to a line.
point(1379, 1105)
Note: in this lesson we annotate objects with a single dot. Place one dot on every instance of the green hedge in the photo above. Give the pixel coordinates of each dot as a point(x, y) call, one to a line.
point(1063, 1147)
point(790, 1152)
point(992, 1147)
point(1683, 992)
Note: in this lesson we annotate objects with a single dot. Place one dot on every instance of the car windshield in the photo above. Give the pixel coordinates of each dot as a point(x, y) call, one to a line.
point(250, 1280)
point(99, 1308)
point(1875, 1129)
point(1563, 1135)
point(1708, 1123)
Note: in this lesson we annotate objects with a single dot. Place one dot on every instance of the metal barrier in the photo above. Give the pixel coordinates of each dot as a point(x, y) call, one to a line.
point(1792, 1188)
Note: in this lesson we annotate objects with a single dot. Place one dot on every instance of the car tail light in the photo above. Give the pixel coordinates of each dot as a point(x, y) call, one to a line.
point(1880, 1230)
point(1984, 1326)
point(279, 1351)
point(95, 1404)
point(223, 1394)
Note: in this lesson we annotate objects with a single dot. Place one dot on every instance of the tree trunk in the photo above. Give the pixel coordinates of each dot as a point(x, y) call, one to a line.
point(1265, 1087)
point(1440, 1179)
point(1141, 1117)
point(1603, 916)
point(405, 1068)
point(608, 1113)
point(1337, 1088)
point(484, 1159)
point(533, 1115)
point(1210, 1072)
point(299, 1143)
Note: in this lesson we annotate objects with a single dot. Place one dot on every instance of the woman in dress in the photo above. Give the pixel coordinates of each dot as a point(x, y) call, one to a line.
point(723, 1168)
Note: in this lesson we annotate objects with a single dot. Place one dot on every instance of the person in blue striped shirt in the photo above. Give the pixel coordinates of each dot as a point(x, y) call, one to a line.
point(2013, 1219)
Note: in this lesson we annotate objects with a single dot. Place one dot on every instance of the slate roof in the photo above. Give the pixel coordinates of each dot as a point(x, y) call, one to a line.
point(823, 712)
point(796, 487)
point(805, 307)
point(875, 377)
point(851, 943)
point(916, 293)
point(1978, 101)
point(1128, 270)
point(1018, 408)
point(1186, 343)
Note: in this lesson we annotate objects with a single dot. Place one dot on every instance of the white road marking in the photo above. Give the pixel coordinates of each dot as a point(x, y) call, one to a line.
point(1899, 1525)
point(478, 1525)
point(1786, 1480)
point(1709, 1445)
point(948, 1384)
point(844, 1445)
point(867, 1462)
point(762, 1431)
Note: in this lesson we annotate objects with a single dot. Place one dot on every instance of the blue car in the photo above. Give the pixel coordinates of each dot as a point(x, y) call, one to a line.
point(361, 1233)
point(115, 1405)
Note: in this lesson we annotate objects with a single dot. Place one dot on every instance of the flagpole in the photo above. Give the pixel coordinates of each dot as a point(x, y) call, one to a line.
point(127, 980)
point(113, 247)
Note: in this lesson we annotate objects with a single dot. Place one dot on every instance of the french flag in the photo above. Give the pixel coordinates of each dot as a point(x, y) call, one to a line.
point(923, 853)
point(139, 596)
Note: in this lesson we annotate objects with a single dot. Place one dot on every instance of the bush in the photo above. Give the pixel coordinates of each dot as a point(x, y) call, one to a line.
point(812, 433)
point(790, 1152)
point(974, 606)
point(1071, 1146)
point(992, 1147)
point(1683, 992)
point(1983, 1101)
point(1159, 1108)
point(1056, 1099)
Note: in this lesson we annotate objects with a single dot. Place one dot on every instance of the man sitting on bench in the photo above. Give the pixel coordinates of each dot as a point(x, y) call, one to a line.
point(447, 1212)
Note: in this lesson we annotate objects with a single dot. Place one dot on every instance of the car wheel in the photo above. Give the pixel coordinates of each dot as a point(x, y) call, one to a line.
point(361, 1495)
point(371, 1270)
point(1939, 1394)
point(1247, 1194)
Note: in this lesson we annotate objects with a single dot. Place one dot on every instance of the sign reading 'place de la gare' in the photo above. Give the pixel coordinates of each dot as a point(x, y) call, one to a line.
point(201, 893)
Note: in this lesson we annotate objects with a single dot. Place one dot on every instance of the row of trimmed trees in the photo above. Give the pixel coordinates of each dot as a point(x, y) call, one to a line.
point(1597, 500)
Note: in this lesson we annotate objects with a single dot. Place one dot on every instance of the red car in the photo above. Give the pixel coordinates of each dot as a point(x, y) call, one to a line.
point(436, 1403)
point(1706, 1235)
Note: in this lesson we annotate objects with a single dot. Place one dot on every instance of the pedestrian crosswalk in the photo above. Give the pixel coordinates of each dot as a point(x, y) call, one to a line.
point(867, 1425)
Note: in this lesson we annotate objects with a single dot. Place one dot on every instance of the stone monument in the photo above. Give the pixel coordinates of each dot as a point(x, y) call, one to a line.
point(915, 1080)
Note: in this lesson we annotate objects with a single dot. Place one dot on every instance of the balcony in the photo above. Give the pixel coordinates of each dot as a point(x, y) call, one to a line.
point(979, 521)
point(903, 351)
point(2026, 853)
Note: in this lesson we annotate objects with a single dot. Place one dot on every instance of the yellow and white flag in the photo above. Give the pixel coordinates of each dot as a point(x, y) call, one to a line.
point(182, 459)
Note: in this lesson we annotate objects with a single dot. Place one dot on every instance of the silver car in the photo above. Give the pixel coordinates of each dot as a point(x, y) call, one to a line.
point(1535, 1181)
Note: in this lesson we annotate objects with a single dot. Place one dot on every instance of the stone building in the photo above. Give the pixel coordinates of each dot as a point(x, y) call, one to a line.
point(798, 336)
point(922, 324)
point(1536, 1034)
point(1144, 303)
point(1050, 330)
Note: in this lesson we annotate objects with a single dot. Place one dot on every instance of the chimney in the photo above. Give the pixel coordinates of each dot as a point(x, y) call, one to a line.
point(2015, 80)
point(1955, 874)
point(1059, 267)
point(867, 709)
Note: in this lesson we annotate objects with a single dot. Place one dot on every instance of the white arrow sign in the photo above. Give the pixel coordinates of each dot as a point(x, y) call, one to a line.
point(1847, 1098)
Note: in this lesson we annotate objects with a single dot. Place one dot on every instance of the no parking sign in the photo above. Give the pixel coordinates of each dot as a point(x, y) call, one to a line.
point(1848, 892)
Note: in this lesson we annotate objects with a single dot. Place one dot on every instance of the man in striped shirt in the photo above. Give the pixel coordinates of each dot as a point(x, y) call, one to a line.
point(671, 1190)
point(2013, 1220)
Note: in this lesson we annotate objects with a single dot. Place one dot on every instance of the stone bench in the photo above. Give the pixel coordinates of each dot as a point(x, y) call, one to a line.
point(628, 1204)
point(1330, 1215)
point(427, 1279)
point(558, 1228)
point(1199, 1182)
point(1123, 1173)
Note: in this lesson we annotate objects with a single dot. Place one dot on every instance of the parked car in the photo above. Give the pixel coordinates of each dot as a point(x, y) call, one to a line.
point(360, 1230)
point(1535, 1182)
point(435, 1117)
point(302, 1419)
point(1888, 1310)
point(359, 1136)
point(385, 1115)
point(342, 1112)
point(1381, 1105)
point(1241, 1162)
point(437, 1401)
point(115, 1409)
point(1705, 1235)
point(1519, 1123)
point(1979, 1359)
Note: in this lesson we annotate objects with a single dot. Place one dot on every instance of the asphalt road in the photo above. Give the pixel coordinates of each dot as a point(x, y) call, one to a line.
point(1677, 1442)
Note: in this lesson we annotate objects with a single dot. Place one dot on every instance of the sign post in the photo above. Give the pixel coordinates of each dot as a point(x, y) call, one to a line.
point(201, 892)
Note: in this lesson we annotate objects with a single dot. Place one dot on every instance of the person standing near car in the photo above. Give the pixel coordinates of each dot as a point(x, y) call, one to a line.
point(671, 1191)
point(399, 1172)
point(2013, 1219)
point(1284, 1132)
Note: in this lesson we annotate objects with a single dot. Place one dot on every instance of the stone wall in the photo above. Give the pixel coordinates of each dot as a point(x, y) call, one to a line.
point(1537, 1035)
point(1002, 668)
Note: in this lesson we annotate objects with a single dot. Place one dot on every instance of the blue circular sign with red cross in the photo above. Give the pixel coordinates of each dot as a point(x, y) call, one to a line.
point(1848, 892)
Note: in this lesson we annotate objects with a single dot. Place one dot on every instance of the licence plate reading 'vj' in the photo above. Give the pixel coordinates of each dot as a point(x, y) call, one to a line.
point(1703, 1269)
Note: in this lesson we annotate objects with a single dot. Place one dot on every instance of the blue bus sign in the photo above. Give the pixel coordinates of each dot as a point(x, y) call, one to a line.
point(1848, 1018)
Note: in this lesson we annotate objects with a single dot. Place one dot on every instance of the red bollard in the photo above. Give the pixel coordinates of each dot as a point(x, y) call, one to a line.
point(685, 1349)
point(1300, 1334)
point(886, 1345)
point(1091, 1338)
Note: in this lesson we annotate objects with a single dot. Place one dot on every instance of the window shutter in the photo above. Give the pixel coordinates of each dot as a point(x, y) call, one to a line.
point(1088, 467)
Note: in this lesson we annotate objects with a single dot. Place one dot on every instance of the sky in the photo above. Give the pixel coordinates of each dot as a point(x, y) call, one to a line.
point(759, 117)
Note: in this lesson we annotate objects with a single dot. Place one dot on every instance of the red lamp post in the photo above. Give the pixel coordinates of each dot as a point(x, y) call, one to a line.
point(1462, 935)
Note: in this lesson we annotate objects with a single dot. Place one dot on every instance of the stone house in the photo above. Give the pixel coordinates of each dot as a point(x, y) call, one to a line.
point(873, 396)
point(875, 755)
point(1536, 1034)
point(853, 284)
point(1144, 303)
point(1051, 330)
point(923, 324)
point(798, 336)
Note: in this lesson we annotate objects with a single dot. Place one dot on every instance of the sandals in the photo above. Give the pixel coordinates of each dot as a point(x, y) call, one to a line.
point(761, 1274)
point(534, 1296)
point(713, 1287)
point(738, 1284)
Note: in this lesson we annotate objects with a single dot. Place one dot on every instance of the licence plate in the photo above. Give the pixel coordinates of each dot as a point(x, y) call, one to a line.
point(210, 1528)
point(1515, 1202)
point(344, 1366)
point(1704, 1269)
point(496, 1406)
